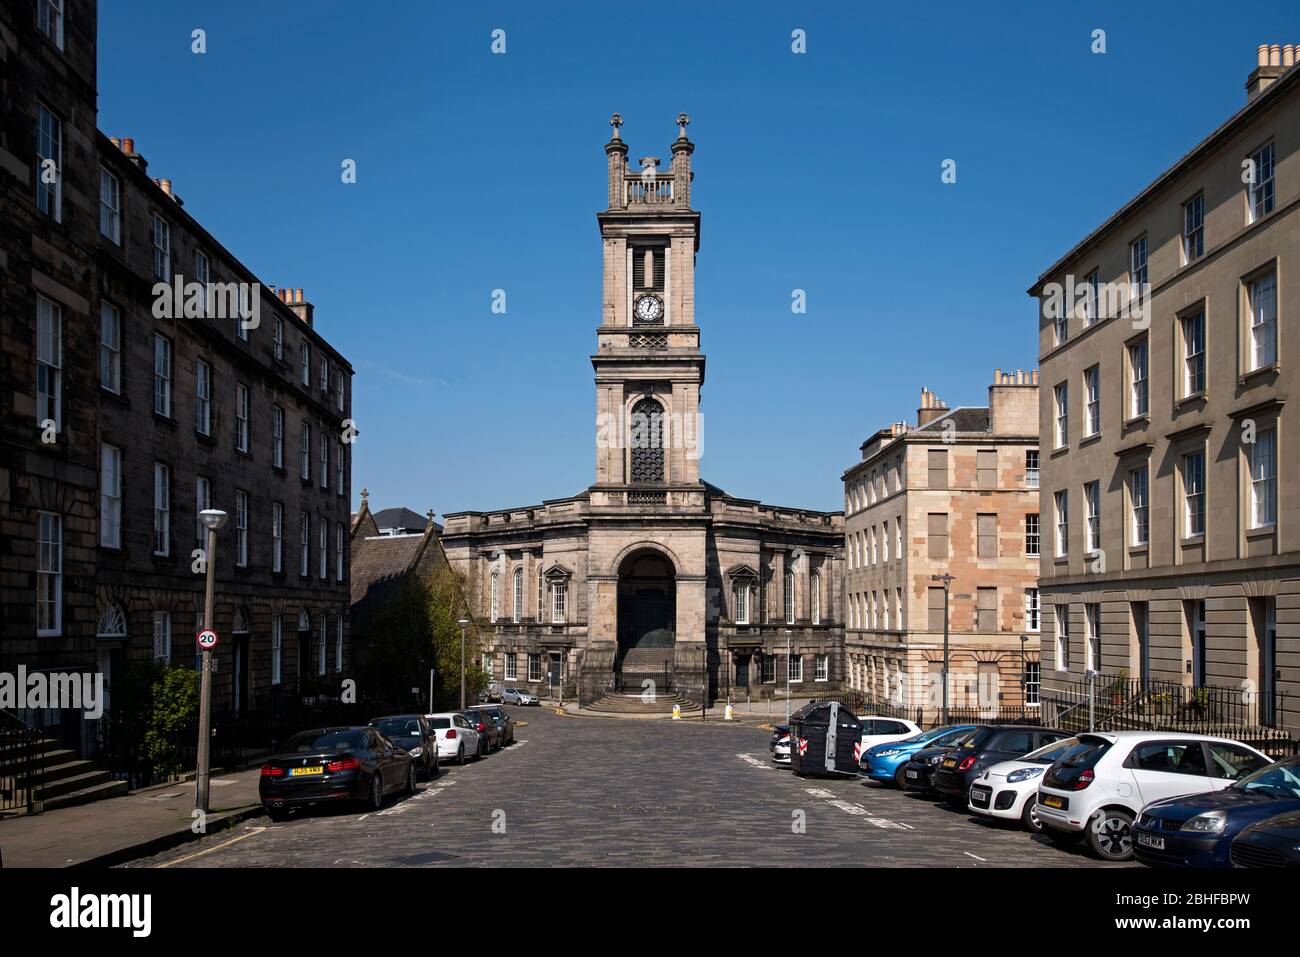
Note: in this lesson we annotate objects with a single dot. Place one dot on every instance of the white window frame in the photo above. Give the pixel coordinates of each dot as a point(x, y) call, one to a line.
point(49, 362)
point(277, 649)
point(740, 600)
point(324, 458)
point(534, 667)
point(1139, 486)
point(305, 356)
point(1033, 535)
point(1193, 472)
point(794, 665)
point(787, 596)
point(494, 596)
point(162, 376)
point(1092, 510)
point(1092, 401)
point(241, 528)
point(338, 643)
point(202, 397)
point(243, 402)
point(161, 235)
point(340, 467)
point(1263, 479)
point(277, 537)
point(323, 534)
point(1061, 407)
point(1194, 229)
point(511, 666)
point(1061, 616)
point(1061, 514)
point(821, 667)
point(1092, 646)
point(49, 20)
point(110, 207)
point(110, 496)
point(277, 338)
point(49, 574)
point(559, 602)
point(110, 347)
point(49, 146)
point(162, 537)
point(162, 637)
point(517, 605)
point(321, 645)
point(277, 436)
point(1139, 379)
point(1261, 195)
point(1033, 610)
point(304, 463)
point(304, 544)
point(340, 546)
point(1261, 299)
point(202, 500)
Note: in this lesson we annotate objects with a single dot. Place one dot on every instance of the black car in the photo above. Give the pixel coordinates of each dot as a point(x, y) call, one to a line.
point(916, 773)
point(334, 764)
point(982, 748)
point(1274, 842)
point(504, 722)
point(412, 732)
point(489, 733)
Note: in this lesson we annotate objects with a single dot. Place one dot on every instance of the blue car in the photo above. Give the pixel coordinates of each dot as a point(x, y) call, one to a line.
point(1197, 830)
point(885, 762)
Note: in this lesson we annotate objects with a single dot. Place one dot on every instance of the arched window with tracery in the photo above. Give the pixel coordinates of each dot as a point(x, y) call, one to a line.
point(645, 432)
point(789, 597)
point(112, 623)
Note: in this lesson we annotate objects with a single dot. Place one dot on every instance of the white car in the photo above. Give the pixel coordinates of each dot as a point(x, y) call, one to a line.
point(1009, 789)
point(456, 736)
point(881, 730)
point(1099, 786)
point(781, 753)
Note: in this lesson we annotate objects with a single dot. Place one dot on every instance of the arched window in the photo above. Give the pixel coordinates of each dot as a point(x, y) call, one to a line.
point(494, 608)
point(519, 593)
point(112, 623)
point(645, 433)
point(789, 596)
point(815, 598)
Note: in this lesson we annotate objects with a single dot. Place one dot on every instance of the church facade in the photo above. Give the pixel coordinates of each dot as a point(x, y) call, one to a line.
point(652, 573)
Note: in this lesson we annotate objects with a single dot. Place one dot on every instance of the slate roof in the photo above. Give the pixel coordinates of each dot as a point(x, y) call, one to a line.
point(402, 518)
point(964, 418)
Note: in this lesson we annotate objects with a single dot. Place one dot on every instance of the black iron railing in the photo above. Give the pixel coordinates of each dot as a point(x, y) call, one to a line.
point(22, 763)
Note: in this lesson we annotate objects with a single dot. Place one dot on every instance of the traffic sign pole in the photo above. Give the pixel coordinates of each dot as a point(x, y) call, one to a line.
point(202, 771)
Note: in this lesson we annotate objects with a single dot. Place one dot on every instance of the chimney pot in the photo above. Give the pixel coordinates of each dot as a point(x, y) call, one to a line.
point(1288, 55)
point(167, 186)
point(297, 295)
point(1275, 55)
point(1262, 55)
point(128, 145)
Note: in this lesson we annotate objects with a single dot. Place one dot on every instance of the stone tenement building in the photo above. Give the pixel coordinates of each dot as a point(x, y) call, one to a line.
point(651, 568)
point(151, 419)
point(1171, 546)
point(957, 494)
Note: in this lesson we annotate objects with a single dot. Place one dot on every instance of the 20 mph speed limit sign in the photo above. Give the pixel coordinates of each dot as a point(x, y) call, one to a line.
point(207, 639)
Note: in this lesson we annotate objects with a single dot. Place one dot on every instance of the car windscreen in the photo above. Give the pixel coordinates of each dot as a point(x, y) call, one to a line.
point(972, 738)
point(439, 723)
point(1084, 753)
point(399, 727)
point(1052, 752)
point(951, 736)
point(310, 741)
point(1275, 780)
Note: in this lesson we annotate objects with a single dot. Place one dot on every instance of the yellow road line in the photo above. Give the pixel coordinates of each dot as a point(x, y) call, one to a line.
point(233, 840)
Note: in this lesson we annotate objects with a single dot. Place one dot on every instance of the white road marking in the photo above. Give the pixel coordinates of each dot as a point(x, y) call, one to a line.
point(976, 856)
point(753, 761)
point(820, 793)
point(189, 857)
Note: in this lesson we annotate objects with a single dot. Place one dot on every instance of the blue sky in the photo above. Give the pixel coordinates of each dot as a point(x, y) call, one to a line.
point(818, 171)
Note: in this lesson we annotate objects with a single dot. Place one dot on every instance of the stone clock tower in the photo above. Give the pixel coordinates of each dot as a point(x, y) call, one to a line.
point(651, 574)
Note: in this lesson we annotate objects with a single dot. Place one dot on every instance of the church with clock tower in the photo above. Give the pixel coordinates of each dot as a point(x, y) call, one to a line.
point(651, 573)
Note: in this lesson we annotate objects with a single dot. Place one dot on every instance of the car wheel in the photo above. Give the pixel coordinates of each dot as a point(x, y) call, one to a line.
point(1110, 835)
point(376, 792)
point(276, 814)
point(900, 777)
point(410, 779)
point(1029, 816)
point(460, 755)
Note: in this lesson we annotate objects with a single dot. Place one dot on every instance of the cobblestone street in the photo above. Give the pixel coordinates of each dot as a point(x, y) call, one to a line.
point(582, 791)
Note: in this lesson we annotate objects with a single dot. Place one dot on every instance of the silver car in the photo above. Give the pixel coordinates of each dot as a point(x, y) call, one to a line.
point(518, 696)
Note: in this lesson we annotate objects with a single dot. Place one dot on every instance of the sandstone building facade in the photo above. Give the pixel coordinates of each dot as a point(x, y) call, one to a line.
point(651, 571)
point(956, 494)
point(117, 425)
point(1171, 546)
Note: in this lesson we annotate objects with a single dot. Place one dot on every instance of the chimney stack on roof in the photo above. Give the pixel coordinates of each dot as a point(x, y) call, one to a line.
point(294, 300)
point(931, 408)
point(1271, 61)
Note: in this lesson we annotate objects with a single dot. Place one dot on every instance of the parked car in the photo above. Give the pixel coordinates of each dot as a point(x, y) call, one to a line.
point(457, 738)
point(888, 762)
point(982, 748)
point(781, 750)
point(1198, 830)
point(1274, 842)
point(492, 693)
point(334, 764)
point(778, 732)
point(877, 730)
point(489, 735)
point(412, 732)
point(1010, 789)
point(518, 696)
point(917, 771)
point(1098, 788)
point(504, 723)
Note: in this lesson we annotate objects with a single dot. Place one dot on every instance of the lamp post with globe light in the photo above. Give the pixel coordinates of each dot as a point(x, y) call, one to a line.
point(212, 519)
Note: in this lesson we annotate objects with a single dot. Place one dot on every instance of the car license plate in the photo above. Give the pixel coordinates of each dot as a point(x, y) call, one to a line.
point(980, 794)
point(304, 772)
point(911, 774)
point(949, 762)
point(1051, 800)
point(1151, 841)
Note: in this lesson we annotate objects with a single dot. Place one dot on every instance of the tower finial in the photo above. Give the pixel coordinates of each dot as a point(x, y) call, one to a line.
point(429, 515)
point(616, 121)
point(365, 496)
point(683, 121)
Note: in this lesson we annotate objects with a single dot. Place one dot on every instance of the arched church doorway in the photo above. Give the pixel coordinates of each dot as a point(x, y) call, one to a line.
point(647, 611)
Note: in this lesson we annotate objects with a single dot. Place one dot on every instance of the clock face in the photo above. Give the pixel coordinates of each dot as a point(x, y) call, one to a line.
point(649, 308)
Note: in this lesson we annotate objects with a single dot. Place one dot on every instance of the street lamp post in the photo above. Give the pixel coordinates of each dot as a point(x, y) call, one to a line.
point(947, 581)
point(788, 634)
point(212, 519)
point(463, 622)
